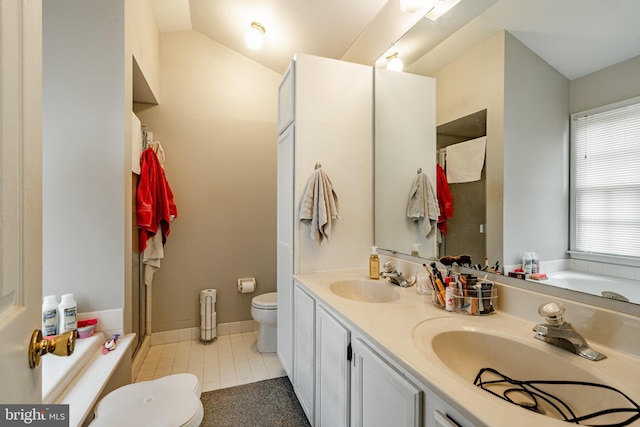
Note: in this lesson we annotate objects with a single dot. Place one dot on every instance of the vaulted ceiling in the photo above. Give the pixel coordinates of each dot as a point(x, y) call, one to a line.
point(574, 36)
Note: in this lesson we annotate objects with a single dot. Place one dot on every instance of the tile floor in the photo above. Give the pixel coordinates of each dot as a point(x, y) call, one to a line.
point(228, 361)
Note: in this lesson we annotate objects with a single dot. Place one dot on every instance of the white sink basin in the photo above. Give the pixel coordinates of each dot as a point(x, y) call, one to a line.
point(365, 290)
point(465, 346)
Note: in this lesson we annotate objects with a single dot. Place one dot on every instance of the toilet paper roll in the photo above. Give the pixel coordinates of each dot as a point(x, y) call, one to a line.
point(208, 295)
point(246, 286)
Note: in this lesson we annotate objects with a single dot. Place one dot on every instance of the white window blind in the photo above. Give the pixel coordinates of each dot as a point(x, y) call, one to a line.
point(607, 182)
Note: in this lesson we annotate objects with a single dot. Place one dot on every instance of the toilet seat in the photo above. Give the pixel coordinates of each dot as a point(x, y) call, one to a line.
point(268, 301)
point(172, 401)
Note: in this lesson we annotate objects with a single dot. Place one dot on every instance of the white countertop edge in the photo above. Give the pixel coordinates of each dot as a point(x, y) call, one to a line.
point(85, 389)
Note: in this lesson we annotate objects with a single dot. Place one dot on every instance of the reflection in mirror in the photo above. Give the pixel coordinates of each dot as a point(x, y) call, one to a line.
point(616, 288)
point(405, 141)
point(531, 78)
point(465, 230)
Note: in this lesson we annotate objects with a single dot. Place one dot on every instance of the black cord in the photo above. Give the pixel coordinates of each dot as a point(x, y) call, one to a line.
point(530, 389)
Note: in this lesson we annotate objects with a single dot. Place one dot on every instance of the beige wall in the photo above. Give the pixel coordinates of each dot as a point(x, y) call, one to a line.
point(615, 83)
point(217, 124)
point(144, 41)
point(474, 82)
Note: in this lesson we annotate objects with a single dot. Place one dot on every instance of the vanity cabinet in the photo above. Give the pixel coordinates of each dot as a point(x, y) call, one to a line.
point(341, 381)
point(321, 374)
point(304, 348)
point(332, 370)
point(382, 396)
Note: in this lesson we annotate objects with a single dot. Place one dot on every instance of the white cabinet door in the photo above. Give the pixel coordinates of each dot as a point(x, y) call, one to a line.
point(332, 371)
point(284, 273)
point(304, 349)
point(381, 395)
point(286, 98)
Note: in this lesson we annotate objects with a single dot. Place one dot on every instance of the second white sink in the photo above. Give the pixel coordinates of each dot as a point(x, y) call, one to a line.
point(365, 290)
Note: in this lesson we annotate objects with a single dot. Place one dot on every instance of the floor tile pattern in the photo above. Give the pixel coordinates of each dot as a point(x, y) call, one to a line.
point(229, 361)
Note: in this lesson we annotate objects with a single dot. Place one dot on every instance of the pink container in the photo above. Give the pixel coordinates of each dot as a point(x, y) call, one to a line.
point(86, 328)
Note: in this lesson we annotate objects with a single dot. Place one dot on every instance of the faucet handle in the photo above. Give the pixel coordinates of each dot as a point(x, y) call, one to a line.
point(389, 267)
point(553, 313)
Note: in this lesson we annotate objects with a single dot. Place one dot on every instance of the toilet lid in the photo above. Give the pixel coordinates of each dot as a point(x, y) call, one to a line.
point(268, 301)
point(173, 400)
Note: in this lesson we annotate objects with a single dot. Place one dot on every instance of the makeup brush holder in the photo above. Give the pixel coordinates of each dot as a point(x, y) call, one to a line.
point(474, 302)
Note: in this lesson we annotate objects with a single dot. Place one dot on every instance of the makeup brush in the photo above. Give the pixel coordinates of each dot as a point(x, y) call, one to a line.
point(447, 260)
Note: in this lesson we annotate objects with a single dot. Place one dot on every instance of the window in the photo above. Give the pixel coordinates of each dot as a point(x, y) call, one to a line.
point(606, 181)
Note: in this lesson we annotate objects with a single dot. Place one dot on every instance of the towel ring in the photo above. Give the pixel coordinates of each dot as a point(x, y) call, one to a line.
point(318, 166)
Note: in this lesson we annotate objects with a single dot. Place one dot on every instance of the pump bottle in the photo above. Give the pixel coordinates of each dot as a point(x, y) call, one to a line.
point(374, 264)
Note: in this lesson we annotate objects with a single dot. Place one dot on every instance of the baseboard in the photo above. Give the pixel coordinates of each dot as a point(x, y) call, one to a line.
point(189, 334)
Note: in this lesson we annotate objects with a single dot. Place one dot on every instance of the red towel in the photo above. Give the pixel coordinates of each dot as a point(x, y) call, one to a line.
point(154, 202)
point(445, 200)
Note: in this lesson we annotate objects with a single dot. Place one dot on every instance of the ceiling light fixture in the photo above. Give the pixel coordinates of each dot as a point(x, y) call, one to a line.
point(254, 37)
point(394, 63)
point(442, 7)
point(410, 6)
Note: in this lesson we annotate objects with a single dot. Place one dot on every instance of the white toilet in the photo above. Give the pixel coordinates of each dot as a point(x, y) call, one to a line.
point(173, 400)
point(264, 311)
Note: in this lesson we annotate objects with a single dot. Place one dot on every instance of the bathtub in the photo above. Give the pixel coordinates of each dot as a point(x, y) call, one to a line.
point(80, 379)
point(593, 283)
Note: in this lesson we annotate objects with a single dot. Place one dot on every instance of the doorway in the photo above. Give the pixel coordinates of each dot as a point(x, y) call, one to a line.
point(466, 229)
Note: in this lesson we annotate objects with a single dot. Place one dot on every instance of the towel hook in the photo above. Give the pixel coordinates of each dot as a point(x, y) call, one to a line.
point(318, 166)
point(419, 171)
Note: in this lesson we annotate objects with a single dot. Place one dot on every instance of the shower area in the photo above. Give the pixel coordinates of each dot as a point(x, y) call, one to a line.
point(140, 292)
point(139, 298)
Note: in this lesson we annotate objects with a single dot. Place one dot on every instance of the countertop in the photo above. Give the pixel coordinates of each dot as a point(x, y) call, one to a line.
point(391, 327)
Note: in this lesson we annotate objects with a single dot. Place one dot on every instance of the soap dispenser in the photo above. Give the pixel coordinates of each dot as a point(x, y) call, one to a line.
point(374, 264)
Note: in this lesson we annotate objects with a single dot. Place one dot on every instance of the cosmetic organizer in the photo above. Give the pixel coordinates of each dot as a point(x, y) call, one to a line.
point(474, 302)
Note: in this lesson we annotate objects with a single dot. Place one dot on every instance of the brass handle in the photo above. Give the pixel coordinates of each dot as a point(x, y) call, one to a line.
point(60, 345)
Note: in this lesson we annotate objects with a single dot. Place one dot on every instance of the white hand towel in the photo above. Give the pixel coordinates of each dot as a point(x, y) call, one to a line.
point(319, 206)
point(423, 205)
point(466, 160)
point(151, 257)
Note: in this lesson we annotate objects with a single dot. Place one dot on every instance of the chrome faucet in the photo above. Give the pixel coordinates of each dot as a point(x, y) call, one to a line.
point(394, 275)
point(561, 334)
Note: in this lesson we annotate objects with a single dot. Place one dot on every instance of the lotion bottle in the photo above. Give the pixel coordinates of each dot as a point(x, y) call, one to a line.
point(49, 316)
point(67, 313)
point(449, 296)
point(374, 264)
point(527, 263)
point(535, 263)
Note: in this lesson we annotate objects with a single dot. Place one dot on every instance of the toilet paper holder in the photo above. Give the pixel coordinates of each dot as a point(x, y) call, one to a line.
point(246, 285)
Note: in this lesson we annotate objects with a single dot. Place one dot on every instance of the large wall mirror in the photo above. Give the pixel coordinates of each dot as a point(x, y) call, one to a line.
point(506, 64)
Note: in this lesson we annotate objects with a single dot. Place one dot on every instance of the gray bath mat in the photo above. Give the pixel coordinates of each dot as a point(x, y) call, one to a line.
point(265, 403)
